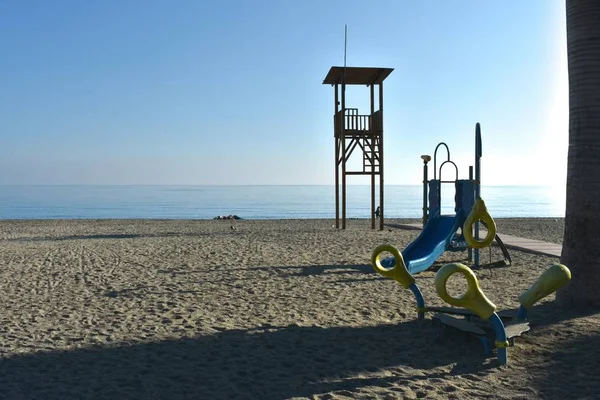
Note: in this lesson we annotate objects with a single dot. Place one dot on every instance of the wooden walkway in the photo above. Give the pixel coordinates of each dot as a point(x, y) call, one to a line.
point(512, 242)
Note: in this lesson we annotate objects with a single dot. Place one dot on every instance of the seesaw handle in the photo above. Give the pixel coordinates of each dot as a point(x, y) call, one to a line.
point(473, 299)
point(398, 272)
point(551, 280)
point(479, 212)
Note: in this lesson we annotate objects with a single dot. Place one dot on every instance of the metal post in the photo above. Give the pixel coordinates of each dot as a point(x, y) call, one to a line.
point(371, 148)
point(425, 159)
point(343, 151)
point(381, 196)
point(477, 182)
point(336, 129)
point(470, 250)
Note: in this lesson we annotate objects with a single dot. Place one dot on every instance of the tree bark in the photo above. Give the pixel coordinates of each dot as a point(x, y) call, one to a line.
point(581, 242)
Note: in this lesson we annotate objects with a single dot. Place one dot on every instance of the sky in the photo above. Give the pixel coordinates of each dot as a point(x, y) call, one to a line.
point(231, 92)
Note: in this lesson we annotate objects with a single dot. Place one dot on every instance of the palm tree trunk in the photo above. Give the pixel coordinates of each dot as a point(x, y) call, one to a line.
point(581, 243)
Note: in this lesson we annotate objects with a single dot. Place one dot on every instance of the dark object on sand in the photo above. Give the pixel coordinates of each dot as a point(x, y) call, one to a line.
point(227, 217)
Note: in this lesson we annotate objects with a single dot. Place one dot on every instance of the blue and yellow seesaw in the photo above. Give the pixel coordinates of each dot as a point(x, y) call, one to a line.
point(480, 316)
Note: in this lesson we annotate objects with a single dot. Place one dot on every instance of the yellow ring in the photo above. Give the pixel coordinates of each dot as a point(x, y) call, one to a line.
point(398, 272)
point(441, 279)
point(473, 299)
point(479, 212)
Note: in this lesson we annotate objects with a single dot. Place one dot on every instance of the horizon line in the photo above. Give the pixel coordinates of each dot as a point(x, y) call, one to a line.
point(244, 184)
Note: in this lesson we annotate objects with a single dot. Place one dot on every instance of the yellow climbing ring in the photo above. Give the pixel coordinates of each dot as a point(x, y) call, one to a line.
point(398, 272)
point(479, 213)
point(502, 345)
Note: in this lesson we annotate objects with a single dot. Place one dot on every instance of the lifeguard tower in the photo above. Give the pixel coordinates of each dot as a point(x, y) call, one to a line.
point(352, 129)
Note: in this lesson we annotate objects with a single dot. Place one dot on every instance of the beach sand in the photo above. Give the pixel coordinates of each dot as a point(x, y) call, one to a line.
point(120, 309)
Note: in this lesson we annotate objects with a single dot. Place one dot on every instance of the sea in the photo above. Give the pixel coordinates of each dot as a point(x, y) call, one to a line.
point(255, 202)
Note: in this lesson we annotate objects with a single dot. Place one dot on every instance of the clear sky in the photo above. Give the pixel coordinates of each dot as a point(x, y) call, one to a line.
point(230, 92)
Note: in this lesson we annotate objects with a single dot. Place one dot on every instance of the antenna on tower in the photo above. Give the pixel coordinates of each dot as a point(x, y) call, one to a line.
point(345, 47)
point(345, 44)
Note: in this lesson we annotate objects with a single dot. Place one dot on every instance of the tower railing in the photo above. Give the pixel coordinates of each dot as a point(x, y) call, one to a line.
point(353, 121)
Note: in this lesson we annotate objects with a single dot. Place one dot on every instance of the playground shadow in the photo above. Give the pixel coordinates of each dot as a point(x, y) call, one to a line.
point(266, 363)
point(288, 271)
point(314, 270)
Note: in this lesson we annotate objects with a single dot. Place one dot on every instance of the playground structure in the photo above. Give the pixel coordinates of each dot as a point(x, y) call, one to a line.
point(440, 232)
point(495, 330)
point(352, 130)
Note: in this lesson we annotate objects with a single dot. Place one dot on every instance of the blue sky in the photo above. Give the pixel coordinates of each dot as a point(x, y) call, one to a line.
point(230, 92)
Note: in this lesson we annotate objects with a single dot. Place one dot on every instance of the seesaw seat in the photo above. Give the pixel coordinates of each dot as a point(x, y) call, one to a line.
point(512, 329)
point(462, 325)
point(482, 331)
point(504, 314)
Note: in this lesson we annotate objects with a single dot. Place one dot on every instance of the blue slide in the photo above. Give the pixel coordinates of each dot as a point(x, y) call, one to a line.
point(434, 240)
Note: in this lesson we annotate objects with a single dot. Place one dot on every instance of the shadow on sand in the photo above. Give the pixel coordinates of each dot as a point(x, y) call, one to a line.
point(571, 370)
point(266, 363)
point(117, 236)
point(568, 371)
point(287, 271)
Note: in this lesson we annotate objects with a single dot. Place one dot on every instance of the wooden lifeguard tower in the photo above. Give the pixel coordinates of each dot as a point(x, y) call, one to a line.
point(352, 130)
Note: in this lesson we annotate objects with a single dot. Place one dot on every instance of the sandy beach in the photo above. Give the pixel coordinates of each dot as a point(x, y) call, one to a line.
point(123, 309)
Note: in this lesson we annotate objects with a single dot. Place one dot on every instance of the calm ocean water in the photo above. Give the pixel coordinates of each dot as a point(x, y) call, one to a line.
point(254, 202)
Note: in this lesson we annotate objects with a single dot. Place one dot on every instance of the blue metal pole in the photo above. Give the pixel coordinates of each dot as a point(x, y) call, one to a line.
point(501, 340)
point(419, 298)
point(522, 313)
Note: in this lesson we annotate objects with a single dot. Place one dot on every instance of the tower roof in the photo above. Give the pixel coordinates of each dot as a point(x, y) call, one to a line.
point(357, 75)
